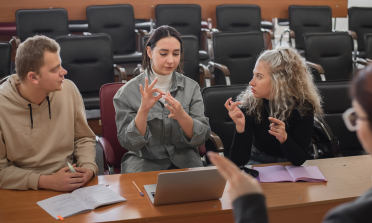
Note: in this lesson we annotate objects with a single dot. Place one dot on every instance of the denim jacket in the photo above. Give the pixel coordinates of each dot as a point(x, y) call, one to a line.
point(164, 142)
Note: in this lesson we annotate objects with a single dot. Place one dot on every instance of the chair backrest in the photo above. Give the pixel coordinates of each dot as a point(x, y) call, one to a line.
point(239, 52)
point(117, 21)
point(307, 19)
point(336, 100)
point(368, 39)
point(238, 18)
point(360, 21)
point(185, 18)
point(88, 61)
point(48, 22)
point(5, 59)
point(214, 99)
point(191, 57)
point(333, 51)
point(109, 130)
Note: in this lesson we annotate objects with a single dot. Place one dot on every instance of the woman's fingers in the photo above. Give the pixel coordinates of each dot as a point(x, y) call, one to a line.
point(225, 167)
point(227, 104)
point(146, 85)
point(158, 90)
point(171, 102)
point(274, 133)
point(158, 97)
point(169, 108)
point(153, 83)
point(276, 121)
point(234, 105)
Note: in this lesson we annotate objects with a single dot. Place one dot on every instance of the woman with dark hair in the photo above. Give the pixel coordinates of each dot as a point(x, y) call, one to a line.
point(245, 191)
point(160, 113)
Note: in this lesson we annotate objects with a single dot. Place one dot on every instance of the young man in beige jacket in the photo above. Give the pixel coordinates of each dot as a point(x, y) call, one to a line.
point(43, 124)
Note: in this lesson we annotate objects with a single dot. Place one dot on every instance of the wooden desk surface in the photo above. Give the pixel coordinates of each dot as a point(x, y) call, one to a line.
point(348, 178)
point(145, 9)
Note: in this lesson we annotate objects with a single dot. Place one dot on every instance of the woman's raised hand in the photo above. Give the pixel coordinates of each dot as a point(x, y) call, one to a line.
point(175, 107)
point(277, 129)
point(236, 114)
point(148, 99)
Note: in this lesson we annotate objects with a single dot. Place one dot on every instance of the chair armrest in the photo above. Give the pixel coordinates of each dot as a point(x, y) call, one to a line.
point(16, 40)
point(224, 70)
point(4, 79)
point(137, 70)
point(365, 63)
point(207, 75)
point(221, 67)
point(141, 33)
point(206, 32)
point(352, 34)
point(108, 152)
point(317, 67)
point(216, 142)
point(122, 73)
point(268, 31)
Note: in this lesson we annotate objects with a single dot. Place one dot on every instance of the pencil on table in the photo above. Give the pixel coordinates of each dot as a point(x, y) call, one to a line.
point(137, 188)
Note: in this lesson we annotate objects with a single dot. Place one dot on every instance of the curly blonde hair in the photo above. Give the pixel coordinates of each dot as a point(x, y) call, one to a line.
point(292, 87)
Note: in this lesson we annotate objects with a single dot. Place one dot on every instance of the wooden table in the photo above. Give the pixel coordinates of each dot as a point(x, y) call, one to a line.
point(348, 178)
point(145, 9)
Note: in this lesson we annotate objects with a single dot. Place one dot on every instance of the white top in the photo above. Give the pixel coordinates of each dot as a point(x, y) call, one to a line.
point(164, 82)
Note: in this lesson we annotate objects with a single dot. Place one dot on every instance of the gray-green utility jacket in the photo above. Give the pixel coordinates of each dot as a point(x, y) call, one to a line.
point(164, 142)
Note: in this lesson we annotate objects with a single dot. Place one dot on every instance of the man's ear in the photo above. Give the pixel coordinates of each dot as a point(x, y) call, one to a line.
point(149, 52)
point(33, 77)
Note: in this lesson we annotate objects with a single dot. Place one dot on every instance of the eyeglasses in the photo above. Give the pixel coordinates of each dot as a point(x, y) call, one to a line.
point(350, 118)
point(253, 173)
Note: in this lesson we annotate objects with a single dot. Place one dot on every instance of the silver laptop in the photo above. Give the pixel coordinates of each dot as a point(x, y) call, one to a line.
point(196, 184)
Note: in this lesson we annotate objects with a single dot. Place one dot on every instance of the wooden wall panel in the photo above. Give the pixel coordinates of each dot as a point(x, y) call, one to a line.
point(144, 9)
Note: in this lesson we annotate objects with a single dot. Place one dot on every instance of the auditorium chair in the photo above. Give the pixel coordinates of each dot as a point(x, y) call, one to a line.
point(113, 152)
point(191, 65)
point(241, 18)
point(48, 22)
point(360, 21)
point(368, 46)
point(336, 100)
point(89, 64)
point(235, 55)
point(186, 19)
point(331, 53)
point(118, 22)
point(307, 19)
point(5, 59)
point(221, 124)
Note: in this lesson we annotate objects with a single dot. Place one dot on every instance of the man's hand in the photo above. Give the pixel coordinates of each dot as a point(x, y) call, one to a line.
point(88, 173)
point(63, 180)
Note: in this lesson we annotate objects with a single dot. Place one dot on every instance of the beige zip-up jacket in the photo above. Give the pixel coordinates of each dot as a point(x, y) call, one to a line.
point(40, 139)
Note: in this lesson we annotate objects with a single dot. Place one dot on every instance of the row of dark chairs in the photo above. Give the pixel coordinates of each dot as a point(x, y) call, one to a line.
point(89, 60)
point(306, 19)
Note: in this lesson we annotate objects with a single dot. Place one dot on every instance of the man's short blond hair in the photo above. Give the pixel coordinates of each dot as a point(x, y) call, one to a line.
point(30, 54)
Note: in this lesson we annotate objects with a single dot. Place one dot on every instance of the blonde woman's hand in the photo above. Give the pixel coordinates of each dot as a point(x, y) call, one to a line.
point(239, 183)
point(148, 99)
point(236, 114)
point(277, 129)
